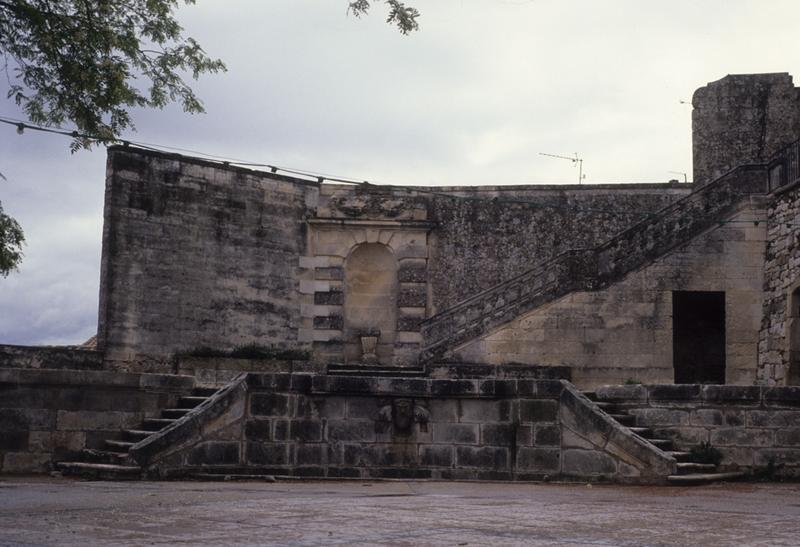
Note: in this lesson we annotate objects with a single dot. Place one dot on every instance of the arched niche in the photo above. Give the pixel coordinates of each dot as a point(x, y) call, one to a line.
point(793, 334)
point(370, 302)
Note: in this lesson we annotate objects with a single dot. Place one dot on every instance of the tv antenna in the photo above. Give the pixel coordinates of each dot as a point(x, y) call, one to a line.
point(576, 159)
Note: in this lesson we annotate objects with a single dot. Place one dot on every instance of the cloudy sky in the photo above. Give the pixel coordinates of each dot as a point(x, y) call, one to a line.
point(473, 98)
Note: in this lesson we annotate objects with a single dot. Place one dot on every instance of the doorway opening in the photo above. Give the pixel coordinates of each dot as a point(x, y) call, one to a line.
point(698, 337)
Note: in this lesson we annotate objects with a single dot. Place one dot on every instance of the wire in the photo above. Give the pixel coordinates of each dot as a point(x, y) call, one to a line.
point(320, 177)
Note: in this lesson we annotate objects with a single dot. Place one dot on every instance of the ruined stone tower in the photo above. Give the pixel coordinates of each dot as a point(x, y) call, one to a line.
point(741, 119)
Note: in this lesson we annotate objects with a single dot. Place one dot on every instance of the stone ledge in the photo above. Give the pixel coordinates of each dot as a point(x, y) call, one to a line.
point(50, 357)
point(89, 378)
point(703, 394)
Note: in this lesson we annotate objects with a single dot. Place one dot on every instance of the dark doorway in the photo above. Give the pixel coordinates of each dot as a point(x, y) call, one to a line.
point(698, 337)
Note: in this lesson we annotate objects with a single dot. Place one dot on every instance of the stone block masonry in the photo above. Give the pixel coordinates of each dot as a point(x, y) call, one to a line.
point(48, 415)
point(742, 119)
point(363, 427)
point(779, 338)
point(756, 428)
point(197, 253)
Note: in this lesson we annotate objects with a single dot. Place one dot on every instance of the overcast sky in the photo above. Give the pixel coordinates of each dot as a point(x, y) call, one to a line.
point(472, 98)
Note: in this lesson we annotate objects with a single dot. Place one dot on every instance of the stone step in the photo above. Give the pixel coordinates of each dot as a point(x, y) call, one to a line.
point(663, 444)
point(686, 468)
point(156, 424)
point(704, 478)
point(118, 446)
point(204, 391)
point(605, 405)
point(93, 455)
point(624, 419)
point(191, 401)
point(231, 477)
point(642, 431)
point(100, 470)
point(679, 455)
point(591, 395)
point(137, 434)
point(175, 413)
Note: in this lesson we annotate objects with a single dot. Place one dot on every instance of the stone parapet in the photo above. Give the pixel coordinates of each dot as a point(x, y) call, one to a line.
point(50, 357)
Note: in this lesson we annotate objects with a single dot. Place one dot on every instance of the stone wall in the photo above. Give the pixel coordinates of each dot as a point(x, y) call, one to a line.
point(47, 415)
point(741, 119)
point(50, 357)
point(482, 235)
point(196, 254)
point(779, 340)
point(360, 427)
point(624, 332)
point(756, 428)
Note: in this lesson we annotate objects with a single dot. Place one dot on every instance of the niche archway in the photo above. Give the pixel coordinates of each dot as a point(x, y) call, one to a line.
point(793, 335)
point(370, 301)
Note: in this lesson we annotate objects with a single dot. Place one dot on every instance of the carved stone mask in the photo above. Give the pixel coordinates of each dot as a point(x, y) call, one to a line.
point(403, 414)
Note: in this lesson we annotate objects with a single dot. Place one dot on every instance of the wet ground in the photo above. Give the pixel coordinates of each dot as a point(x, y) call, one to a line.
point(51, 511)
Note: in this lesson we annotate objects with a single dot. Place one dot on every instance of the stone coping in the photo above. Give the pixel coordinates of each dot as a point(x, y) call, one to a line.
point(709, 393)
point(51, 357)
point(406, 387)
point(482, 371)
point(92, 378)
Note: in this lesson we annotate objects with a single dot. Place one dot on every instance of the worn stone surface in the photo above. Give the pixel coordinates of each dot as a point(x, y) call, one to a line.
point(740, 119)
point(779, 338)
point(195, 255)
point(49, 511)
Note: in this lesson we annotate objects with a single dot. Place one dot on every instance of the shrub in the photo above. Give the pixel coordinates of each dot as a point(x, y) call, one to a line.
point(705, 453)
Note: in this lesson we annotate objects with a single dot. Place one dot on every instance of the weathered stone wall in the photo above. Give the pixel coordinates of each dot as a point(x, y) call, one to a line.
point(778, 364)
point(741, 119)
point(483, 239)
point(756, 428)
point(352, 427)
point(201, 254)
point(48, 415)
point(453, 242)
point(218, 371)
point(50, 357)
point(483, 235)
point(196, 254)
point(625, 331)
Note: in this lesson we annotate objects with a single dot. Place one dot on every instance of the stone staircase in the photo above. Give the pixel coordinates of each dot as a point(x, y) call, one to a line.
point(112, 462)
point(689, 471)
point(591, 269)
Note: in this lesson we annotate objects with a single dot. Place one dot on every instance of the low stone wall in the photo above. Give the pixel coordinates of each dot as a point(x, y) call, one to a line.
point(362, 427)
point(757, 428)
point(50, 357)
point(218, 371)
point(46, 415)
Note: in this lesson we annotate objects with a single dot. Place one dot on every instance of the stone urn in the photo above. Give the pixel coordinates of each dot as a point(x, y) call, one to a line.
point(369, 346)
